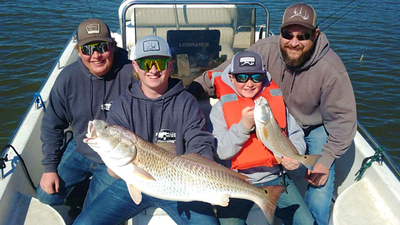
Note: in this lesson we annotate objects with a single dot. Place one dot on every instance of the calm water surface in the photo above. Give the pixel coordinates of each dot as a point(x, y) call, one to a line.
point(33, 33)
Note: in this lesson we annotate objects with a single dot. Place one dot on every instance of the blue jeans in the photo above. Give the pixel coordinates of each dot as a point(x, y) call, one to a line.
point(73, 169)
point(290, 208)
point(115, 206)
point(319, 198)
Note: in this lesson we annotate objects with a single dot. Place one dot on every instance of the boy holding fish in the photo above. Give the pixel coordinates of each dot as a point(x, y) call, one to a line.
point(233, 121)
point(153, 103)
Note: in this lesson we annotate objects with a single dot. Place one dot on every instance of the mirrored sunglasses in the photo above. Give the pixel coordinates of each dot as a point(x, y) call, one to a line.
point(301, 37)
point(100, 47)
point(243, 78)
point(146, 64)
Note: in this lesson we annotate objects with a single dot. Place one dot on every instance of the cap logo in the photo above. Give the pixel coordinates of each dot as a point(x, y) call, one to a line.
point(151, 46)
point(247, 61)
point(93, 29)
point(305, 16)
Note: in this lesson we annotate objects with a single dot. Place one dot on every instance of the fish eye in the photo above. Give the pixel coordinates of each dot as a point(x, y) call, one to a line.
point(105, 127)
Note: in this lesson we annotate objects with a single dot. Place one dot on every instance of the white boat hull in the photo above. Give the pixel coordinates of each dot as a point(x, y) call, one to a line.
point(373, 200)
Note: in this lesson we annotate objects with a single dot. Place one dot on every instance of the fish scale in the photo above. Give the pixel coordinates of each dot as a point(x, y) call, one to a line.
point(150, 169)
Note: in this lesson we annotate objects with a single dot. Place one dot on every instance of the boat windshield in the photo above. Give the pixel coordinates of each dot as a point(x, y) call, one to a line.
point(201, 36)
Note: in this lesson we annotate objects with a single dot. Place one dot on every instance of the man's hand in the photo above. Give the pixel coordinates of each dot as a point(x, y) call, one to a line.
point(318, 176)
point(50, 183)
point(290, 164)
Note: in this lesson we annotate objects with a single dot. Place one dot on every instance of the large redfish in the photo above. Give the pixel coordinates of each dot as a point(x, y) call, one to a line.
point(157, 172)
point(269, 132)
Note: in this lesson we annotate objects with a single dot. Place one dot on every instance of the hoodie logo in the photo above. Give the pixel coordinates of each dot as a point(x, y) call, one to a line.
point(247, 61)
point(151, 46)
point(106, 106)
point(304, 17)
point(166, 135)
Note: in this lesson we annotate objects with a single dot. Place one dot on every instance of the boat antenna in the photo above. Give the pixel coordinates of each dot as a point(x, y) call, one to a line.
point(341, 16)
point(90, 8)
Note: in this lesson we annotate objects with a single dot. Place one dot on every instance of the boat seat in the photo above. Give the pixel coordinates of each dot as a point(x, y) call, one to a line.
point(141, 22)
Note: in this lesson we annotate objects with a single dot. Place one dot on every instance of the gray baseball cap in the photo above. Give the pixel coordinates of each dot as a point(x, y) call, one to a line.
point(247, 62)
point(151, 45)
point(92, 30)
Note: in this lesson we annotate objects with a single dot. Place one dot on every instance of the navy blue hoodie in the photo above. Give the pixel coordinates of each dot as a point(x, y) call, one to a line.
point(77, 97)
point(176, 113)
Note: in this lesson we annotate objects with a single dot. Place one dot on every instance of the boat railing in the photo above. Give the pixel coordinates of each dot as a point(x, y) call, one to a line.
point(380, 155)
point(33, 115)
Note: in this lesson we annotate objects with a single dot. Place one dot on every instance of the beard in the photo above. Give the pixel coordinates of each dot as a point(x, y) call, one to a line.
point(297, 61)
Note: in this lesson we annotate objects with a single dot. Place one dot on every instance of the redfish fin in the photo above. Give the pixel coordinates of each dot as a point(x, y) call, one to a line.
point(310, 160)
point(268, 205)
point(141, 174)
point(261, 132)
point(221, 200)
point(278, 158)
point(203, 160)
point(135, 194)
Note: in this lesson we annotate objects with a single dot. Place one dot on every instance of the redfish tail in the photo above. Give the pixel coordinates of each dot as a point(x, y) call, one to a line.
point(268, 204)
point(310, 160)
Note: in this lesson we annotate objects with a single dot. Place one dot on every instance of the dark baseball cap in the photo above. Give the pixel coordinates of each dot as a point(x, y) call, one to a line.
point(93, 30)
point(247, 62)
point(300, 14)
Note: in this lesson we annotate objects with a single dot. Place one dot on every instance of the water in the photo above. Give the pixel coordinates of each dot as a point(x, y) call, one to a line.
point(33, 33)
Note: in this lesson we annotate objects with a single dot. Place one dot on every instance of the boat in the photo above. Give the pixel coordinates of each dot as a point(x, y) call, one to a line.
point(202, 34)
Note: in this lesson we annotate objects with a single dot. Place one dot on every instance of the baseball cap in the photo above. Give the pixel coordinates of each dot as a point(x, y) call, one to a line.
point(300, 14)
point(151, 45)
point(92, 30)
point(247, 62)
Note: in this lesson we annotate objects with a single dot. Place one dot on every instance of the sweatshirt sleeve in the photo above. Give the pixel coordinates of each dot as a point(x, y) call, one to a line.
point(229, 142)
point(197, 138)
point(202, 87)
point(296, 134)
point(338, 109)
point(54, 122)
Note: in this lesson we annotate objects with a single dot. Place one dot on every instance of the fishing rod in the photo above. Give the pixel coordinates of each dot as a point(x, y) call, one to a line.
point(341, 16)
point(90, 8)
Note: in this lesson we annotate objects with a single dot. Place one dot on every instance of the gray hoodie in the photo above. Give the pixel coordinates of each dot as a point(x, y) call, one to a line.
point(231, 140)
point(317, 93)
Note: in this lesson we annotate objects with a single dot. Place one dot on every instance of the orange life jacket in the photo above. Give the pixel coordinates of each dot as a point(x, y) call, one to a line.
point(253, 153)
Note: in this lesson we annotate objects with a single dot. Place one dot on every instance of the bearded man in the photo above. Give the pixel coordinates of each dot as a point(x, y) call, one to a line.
point(317, 91)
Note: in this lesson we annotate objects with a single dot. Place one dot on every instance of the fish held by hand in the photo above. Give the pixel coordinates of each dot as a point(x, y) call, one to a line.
point(155, 171)
point(270, 133)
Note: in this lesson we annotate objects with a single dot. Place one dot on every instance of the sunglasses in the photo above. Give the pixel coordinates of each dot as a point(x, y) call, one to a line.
point(301, 37)
point(243, 78)
point(100, 47)
point(146, 64)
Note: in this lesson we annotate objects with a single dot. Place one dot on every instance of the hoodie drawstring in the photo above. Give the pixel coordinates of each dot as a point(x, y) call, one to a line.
point(294, 78)
point(162, 114)
point(91, 97)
